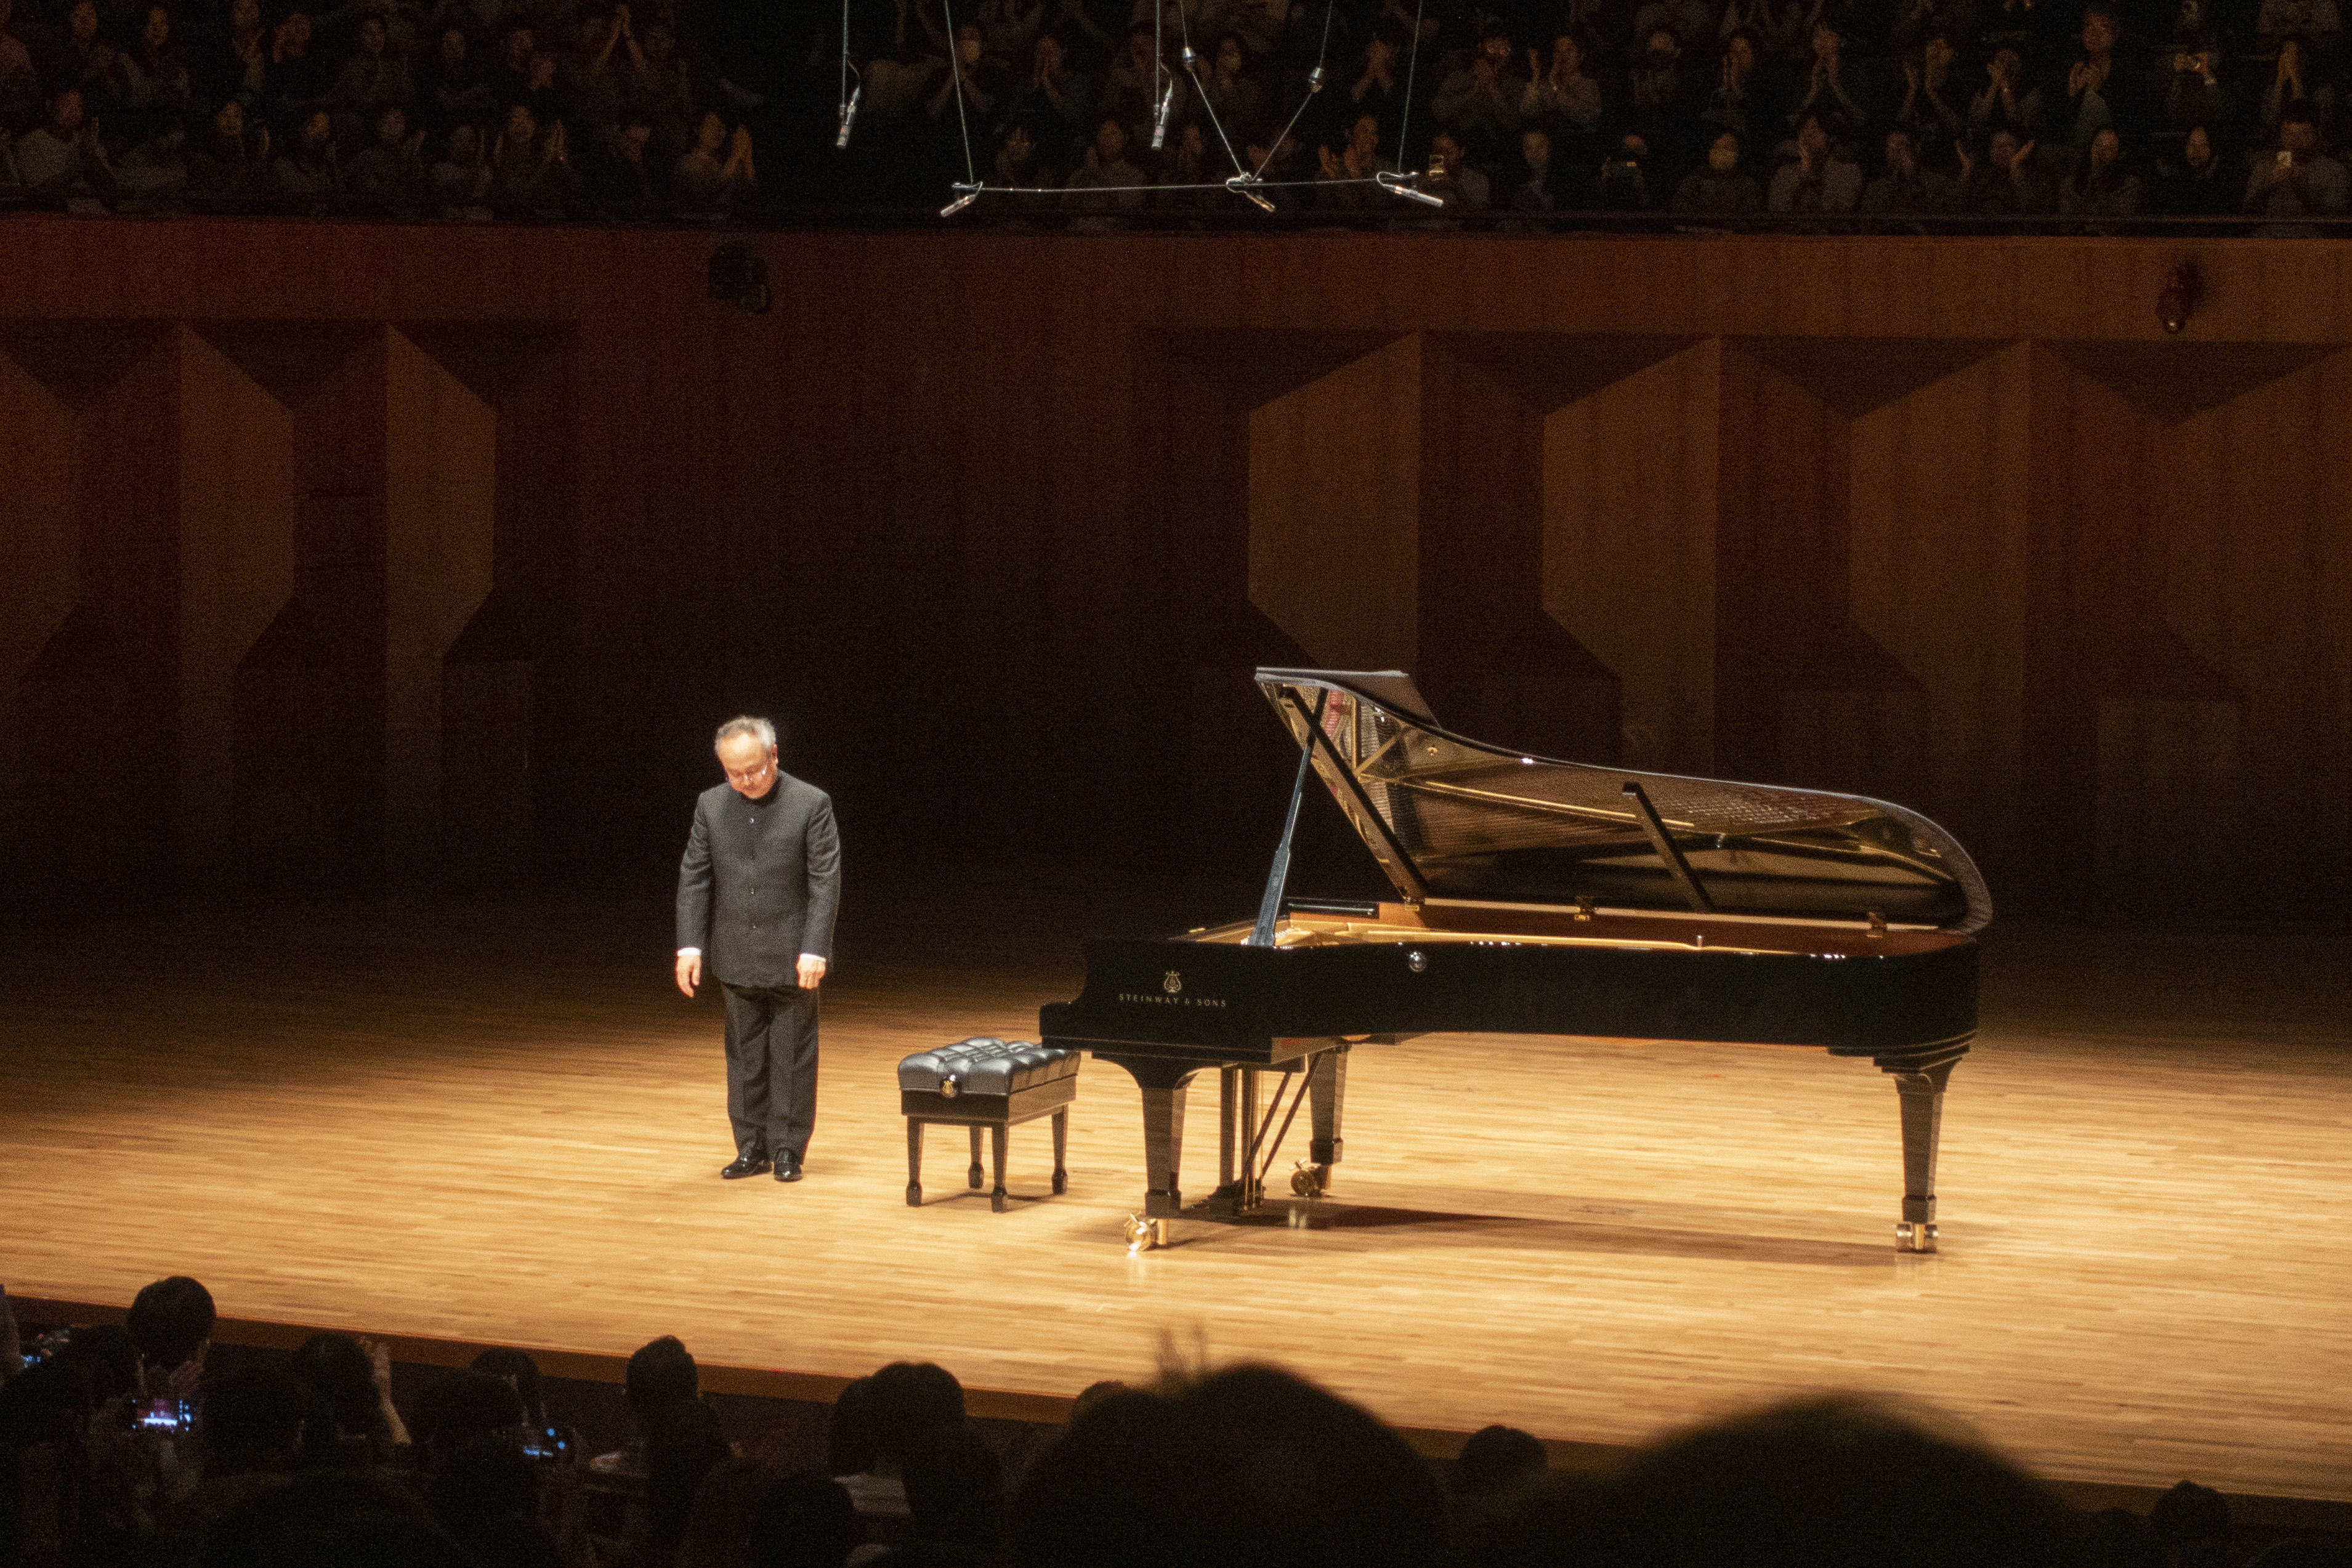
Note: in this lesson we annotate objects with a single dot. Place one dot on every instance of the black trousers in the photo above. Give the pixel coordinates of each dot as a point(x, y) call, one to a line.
point(772, 1069)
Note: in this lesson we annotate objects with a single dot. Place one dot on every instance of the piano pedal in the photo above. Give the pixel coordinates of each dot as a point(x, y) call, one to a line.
point(1145, 1235)
point(1309, 1179)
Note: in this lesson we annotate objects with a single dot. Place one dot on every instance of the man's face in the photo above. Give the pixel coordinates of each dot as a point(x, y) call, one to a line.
point(390, 127)
point(245, 16)
point(1536, 148)
point(1366, 137)
point(2199, 148)
point(1742, 55)
point(751, 767)
point(318, 131)
point(1825, 42)
point(371, 36)
point(2098, 34)
point(1663, 48)
point(66, 114)
point(83, 23)
point(1939, 54)
point(1110, 141)
point(1813, 138)
point(1495, 52)
point(1898, 153)
point(230, 120)
point(1049, 55)
point(2003, 150)
point(518, 47)
point(453, 49)
point(297, 32)
point(2297, 137)
point(159, 28)
point(1229, 58)
point(1446, 152)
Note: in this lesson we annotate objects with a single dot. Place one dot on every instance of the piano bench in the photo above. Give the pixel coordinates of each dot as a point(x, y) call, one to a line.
point(984, 1082)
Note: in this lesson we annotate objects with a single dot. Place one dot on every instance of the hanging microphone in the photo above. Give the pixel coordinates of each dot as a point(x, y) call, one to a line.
point(1239, 185)
point(1315, 80)
point(971, 195)
point(849, 115)
point(1401, 186)
point(1159, 121)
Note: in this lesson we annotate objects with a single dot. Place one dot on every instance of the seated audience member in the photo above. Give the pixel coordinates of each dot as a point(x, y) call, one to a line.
point(2298, 180)
point(1233, 96)
point(1480, 103)
point(683, 1445)
point(461, 180)
point(661, 1373)
point(1561, 95)
point(373, 79)
point(2097, 90)
point(63, 157)
point(983, 82)
point(352, 1518)
point(159, 91)
point(486, 1494)
point(299, 81)
point(1927, 111)
point(603, 68)
point(1250, 1465)
point(449, 91)
point(1348, 173)
point(20, 82)
point(1452, 179)
point(230, 163)
point(531, 168)
point(1907, 185)
point(2008, 103)
point(105, 1351)
point(1742, 102)
point(1496, 1461)
point(171, 1324)
point(252, 1431)
point(955, 1493)
point(2101, 187)
point(1806, 1482)
point(2196, 181)
point(716, 172)
point(1664, 95)
point(1778, 27)
point(1920, 20)
point(619, 178)
point(2278, 20)
point(1106, 169)
point(1132, 87)
point(311, 172)
point(51, 1505)
point(1834, 90)
point(352, 1418)
point(391, 171)
point(519, 1373)
point(1534, 192)
point(1055, 105)
point(1692, 21)
point(805, 1521)
point(2293, 87)
point(459, 1405)
point(2008, 182)
point(1817, 180)
point(1722, 186)
point(1623, 181)
point(721, 1526)
point(892, 1411)
point(2188, 85)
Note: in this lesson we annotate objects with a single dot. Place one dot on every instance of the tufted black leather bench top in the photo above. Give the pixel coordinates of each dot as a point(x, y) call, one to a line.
point(985, 1064)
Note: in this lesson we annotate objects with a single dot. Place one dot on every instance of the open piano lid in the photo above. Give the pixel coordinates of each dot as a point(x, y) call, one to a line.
point(1449, 817)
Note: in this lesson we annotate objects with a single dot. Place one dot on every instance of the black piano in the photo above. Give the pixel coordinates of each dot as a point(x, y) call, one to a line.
point(1542, 897)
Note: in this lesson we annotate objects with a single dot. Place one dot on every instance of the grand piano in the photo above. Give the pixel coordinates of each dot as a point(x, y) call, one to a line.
point(1536, 896)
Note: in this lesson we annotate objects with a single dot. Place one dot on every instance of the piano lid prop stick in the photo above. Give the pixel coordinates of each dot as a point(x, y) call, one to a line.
point(1668, 851)
point(1269, 908)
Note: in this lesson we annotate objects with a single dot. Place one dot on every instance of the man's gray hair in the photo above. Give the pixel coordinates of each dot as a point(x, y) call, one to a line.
point(747, 725)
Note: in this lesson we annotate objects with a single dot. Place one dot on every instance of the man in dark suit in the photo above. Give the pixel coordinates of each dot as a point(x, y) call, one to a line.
point(757, 889)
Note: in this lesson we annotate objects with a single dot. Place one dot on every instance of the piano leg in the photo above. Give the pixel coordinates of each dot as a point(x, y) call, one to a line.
point(1327, 1090)
point(1237, 1105)
point(1163, 1084)
point(1922, 1095)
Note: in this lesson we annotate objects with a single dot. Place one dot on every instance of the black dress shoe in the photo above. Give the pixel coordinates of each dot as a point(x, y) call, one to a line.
point(746, 1164)
point(788, 1168)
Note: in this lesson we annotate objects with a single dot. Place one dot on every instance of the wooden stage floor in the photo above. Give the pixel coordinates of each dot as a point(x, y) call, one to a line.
point(494, 1121)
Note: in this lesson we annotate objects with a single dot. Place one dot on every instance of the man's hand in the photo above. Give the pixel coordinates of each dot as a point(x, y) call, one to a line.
point(812, 970)
point(689, 971)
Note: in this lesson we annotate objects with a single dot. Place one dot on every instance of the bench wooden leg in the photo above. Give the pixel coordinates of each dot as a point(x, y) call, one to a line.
point(996, 1138)
point(914, 1163)
point(972, 1176)
point(1061, 1150)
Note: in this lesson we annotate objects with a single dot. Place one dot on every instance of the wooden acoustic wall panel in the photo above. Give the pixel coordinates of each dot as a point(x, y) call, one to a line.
point(1938, 539)
point(39, 548)
point(1630, 478)
point(1334, 508)
point(236, 572)
point(2253, 531)
point(101, 685)
point(440, 512)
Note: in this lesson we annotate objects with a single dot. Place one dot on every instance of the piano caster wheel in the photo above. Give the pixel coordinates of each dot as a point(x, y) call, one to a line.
point(1910, 1237)
point(1145, 1235)
point(1309, 1180)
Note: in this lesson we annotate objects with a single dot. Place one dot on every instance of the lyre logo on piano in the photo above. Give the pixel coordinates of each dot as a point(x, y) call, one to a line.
point(1173, 983)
